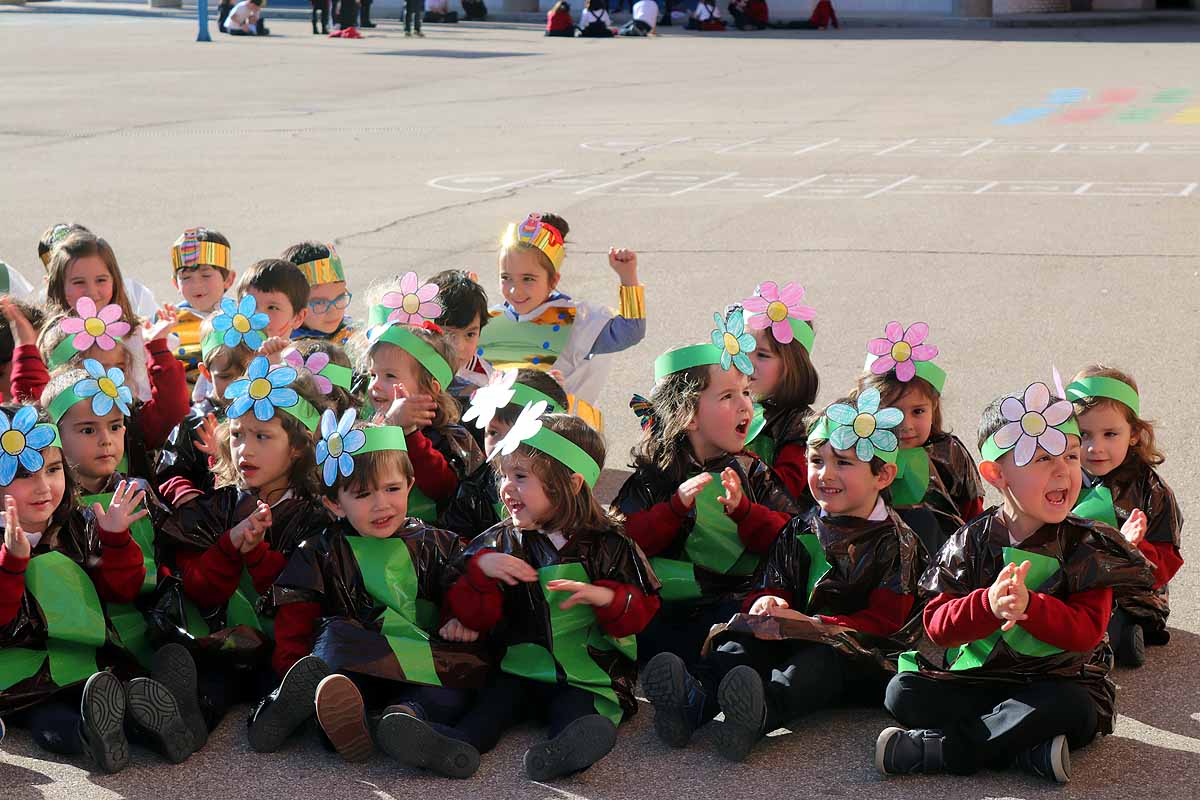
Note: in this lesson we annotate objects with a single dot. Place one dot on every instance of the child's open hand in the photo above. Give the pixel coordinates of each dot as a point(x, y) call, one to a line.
point(206, 435)
point(272, 347)
point(250, 532)
point(624, 263)
point(22, 329)
point(586, 593)
point(15, 540)
point(410, 412)
point(1000, 588)
point(122, 510)
point(765, 604)
point(455, 631)
point(163, 321)
point(733, 490)
point(1013, 603)
point(1134, 529)
point(507, 569)
point(688, 490)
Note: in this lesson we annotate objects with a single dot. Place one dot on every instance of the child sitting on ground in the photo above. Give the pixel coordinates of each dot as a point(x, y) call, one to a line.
point(558, 20)
point(595, 21)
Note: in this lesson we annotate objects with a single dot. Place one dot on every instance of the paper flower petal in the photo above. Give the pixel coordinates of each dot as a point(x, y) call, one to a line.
point(1023, 452)
point(841, 413)
point(85, 307)
point(843, 437)
point(110, 313)
point(916, 333)
point(884, 440)
point(868, 401)
point(889, 417)
point(924, 352)
point(755, 304)
point(353, 441)
point(782, 331)
point(1008, 435)
point(864, 450)
point(1059, 412)
point(894, 331)
point(883, 365)
point(905, 371)
point(1037, 397)
point(1012, 410)
point(1053, 441)
point(879, 347)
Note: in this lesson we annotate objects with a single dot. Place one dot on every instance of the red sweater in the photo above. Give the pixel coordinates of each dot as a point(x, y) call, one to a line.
point(1076, 625)
point(791, 464)
point(295, 626)
point(655, 528)
point(478, 602)
point(210, 578)
point(117, 574)
point(559, 21)
point(166, 408)
point(1164, 557)
point(434, 475)
point(886, 611)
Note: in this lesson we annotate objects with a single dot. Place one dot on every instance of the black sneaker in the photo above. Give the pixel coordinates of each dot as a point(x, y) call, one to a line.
point(413, 743)
point(1050, 760)
point(174, 668)
point(901, 752)
point(677, 697)
point(284, 710)
point(102, 722)
point(1131, 650)
point(153, 709)
point(581, 744)
point(744, 702)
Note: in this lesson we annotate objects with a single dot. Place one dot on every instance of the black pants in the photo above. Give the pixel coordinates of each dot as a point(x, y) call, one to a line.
point(989, 726)
point(413, 11)
point(220, 688)
point(513, 700)
point(54, 724)
point(681, 629)
point(798, 677)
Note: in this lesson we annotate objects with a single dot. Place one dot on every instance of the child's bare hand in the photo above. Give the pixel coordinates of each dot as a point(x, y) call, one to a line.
point(765, 604)
point(22, 329)
point(163, 321)
point(122, 509)
point(507, 569)
point(1000, 588)
point(250, 532)
point(688, 490)
point(586, 593)
point(272, 348)
point(733, 490)
point(624, 263)
point(1016, 600)
point(1134, 529)
point(455, 631)
point(206, 436)
point(15, 540)
point(410, 412)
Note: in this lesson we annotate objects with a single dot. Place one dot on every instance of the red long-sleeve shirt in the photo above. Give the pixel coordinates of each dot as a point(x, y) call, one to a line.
point(295, 626)
point(885, 614)
point(434, 476)
point(970, 509)
point(478, 602)
point(117, 575)
point(791, 465)
point(166, 408)
point(655, 528)
point(210, 578)
point(1164, 557)
point(1076, 625)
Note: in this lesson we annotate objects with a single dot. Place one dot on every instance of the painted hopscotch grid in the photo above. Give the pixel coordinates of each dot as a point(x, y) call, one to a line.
point(833, 186)
point(1119, 105)
point(914, 148)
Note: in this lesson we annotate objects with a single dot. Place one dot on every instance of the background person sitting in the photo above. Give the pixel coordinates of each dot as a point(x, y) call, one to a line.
point(559, 21)
point(749, 15)
point(245, 19)
point(595, 21)
point(706, 16)
point(645, 20)
point(439, 11)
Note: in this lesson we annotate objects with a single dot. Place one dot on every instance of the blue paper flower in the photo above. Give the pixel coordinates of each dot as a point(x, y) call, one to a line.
point(241, 323)
point(339, 442)
point(21, 442)
point(865, 428)
point(263, 389)
point(105, 388)
point(734, 343)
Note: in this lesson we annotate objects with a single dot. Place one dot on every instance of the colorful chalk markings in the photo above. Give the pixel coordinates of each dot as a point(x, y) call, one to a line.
point(1119, 105)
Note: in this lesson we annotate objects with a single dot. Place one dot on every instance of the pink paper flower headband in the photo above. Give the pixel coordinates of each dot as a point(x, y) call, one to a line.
point(782, 311)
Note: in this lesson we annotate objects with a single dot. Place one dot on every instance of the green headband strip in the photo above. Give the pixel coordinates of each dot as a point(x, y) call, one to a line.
point(800, 329)
point(429, 358)
point(303, 410)
point(567, 453)
point(214, 339)
point(65, 350)
point(378, 315)
point(338, 375)
point(933, 374)
point(63, 403)
point(1113, 389)
point(823, 429)
point(57, 439)
point(386, 437)
point(524, 395)
point(694, 355)
point(993, 452)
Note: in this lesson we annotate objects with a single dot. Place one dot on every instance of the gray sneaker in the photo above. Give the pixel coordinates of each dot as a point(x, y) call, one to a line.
point(744, 702)
point(901, 752)
point(1050, 760)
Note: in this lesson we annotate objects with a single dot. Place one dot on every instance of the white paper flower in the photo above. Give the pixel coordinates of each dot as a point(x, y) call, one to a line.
point(489, 399)
point(528, 423)
point(1030, 424)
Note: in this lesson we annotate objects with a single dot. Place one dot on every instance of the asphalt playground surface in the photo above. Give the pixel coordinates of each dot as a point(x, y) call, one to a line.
point(1031, 194)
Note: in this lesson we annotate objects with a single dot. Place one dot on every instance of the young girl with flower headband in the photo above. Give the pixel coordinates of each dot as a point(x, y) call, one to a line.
point(557, 584)
point(409, 370)
point(1021, 597)
point(784, 381)
point(539, 326)
point(836, 597)
point(937, 489)
point(64, 570)
point(91, 268)
point(495, 407)
point(363, 599)
point(223, 550)
point(1121, 487)
point(705, 510)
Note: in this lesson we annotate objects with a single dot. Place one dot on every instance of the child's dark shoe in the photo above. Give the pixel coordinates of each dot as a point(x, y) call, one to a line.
point(581, 744)
point(677, 697)
point(102, 724)
point(152, 708)
point(1050, 760)
point(284, 710)
point(413, 743)
point(744, 702)
point(342, 716)
point(1131, 650)
point(174, 668)
point(901, 752)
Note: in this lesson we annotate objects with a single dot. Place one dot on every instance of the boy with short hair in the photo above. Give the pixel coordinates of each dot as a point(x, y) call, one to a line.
point(464, 313)
point(202, 271)
point(327, 293)
point(1021, 596)
point(280, 291)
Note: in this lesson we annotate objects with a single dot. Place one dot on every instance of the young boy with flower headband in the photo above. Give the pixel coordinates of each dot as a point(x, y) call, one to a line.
point(1021, 598)
point(327, 293)
point(202, 271)
point(537, 325)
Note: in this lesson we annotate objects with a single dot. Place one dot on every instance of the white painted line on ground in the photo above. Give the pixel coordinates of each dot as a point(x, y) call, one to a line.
point(1143, 147)
point(976, 148)
point(614, 183)
point(1059, 148)
point(524, 181)
point(811, 148)
point(805, 182)
point(661, 145)
point(740, 145)
point(1191, 187)
point(889, 187)
point(985, 187)
point(895, 147)
point(704, 184)
point(1083, 189)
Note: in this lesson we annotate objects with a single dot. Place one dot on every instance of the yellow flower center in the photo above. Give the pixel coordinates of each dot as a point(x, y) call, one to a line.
point(1033, 423)
point(108, 387)
point(411, 304)
point(13, 442)
point(241, 324)
point(864, 425)
point(901, 351)
point(777, 311)
point(94, 326)
point(260, 388)
point(731, 344)
point(335, 445)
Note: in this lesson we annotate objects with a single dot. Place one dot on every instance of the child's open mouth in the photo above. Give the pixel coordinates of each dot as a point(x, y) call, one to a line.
point(829, 491)
point(515, 508)
point(1058, 497)
point(742, 427)
point(380, 522)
